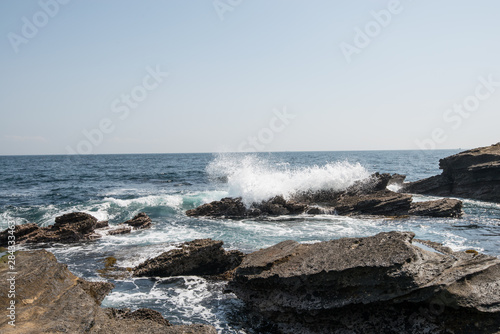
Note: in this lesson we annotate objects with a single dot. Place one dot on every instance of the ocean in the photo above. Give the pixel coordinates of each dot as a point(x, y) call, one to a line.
point(116, 187)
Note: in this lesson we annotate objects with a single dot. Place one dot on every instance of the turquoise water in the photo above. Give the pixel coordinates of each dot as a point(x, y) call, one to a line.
point(116, 187)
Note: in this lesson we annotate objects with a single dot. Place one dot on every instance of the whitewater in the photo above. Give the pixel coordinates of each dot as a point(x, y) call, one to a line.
point(116, 187)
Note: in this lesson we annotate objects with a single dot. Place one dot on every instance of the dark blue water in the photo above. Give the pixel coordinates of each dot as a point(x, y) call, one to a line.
point(116, 187)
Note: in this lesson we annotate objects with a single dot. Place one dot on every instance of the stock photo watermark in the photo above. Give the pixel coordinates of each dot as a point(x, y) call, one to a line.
point(32, 25)
point(224, 6)
point(455, 115)
point(11, 274)
point(364, 36)
point(121, 107)
point(265, 136)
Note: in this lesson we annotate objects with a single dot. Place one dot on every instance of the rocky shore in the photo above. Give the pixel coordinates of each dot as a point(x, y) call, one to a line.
point(471, 174)
point(50, 299)
point(201, 257)
point(73, 227)
point(366, 197)
point(387, 283)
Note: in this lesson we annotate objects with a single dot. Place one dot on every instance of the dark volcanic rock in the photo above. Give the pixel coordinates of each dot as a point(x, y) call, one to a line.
point(50, 299)
point(387, 283)
point(140, 221)
point(471, 174)
point(197, 257)
point(71, 227)
point(366, 197)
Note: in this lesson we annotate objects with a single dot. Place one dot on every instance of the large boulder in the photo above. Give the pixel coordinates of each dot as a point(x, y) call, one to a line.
point(388, 283)
point(365, 197)
point(471, 174)
point(197, 257)
point(50, 299)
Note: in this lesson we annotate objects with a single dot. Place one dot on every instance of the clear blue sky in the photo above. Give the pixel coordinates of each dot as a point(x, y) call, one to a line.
point(226, 76)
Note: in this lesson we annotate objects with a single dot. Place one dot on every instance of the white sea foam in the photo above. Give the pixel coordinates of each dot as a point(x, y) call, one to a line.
point(174, 201)
point(256, 179)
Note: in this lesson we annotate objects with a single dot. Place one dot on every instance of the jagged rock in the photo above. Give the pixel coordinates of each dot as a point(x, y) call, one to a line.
point(388, 283)
point(197, 257)
point(228, 207)
point(50, 299)
point(140, 314)
point(366, 197)
point(471, 174)
point(71, 227)
point(120, 230)
point(140, 221)
point(382, 202)
point(102, 224)
point(440, 208)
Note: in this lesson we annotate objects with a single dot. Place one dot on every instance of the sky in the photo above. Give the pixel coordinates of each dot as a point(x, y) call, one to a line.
point(122, 76)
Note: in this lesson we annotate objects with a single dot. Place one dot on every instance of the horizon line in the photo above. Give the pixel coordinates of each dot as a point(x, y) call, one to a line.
point(229, 152)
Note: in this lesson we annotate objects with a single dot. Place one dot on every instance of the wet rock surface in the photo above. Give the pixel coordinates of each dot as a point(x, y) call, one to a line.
point(471, 174)
point(50, 299)
point(72, 227)
point(140, 221)
point(388, 283)
point(366, 197)
point(198, 257)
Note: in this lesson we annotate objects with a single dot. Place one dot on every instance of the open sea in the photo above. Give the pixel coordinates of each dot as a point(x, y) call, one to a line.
point(117, 187)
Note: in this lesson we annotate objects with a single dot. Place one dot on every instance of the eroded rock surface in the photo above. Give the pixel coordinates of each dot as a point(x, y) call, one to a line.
point(73, 227)
point(471, 174)
point(50, 299)
point(388, 283)
point(70, 227)
point(198, 257)
point(140, 221)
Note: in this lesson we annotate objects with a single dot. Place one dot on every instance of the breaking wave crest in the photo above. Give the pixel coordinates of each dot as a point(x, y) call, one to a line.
point(256, 179)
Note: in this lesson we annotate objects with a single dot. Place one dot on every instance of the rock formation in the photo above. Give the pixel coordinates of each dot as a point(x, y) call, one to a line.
point(50, 299)
point(388, 283)
point(198, 257)
point(72, 227)
point(471, 174)
point(140, 221)
point(367, 197)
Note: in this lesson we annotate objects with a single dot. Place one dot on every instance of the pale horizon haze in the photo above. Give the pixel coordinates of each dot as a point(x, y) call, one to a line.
point(105, 77)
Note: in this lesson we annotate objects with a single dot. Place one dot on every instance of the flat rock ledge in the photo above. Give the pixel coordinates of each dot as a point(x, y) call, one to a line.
point(387, 283)
point(471, 174)
point(72, 227)
point(50, 299)
point(202, 257)
point(367, 197)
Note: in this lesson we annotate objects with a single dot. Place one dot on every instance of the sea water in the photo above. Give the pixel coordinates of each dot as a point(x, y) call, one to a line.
point(36, 189)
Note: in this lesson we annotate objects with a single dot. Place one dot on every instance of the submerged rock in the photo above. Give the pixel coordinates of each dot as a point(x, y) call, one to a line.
point(50, 299)
point(197, 257)
point(471, 174)
point(388, 283)
point(366, 197)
